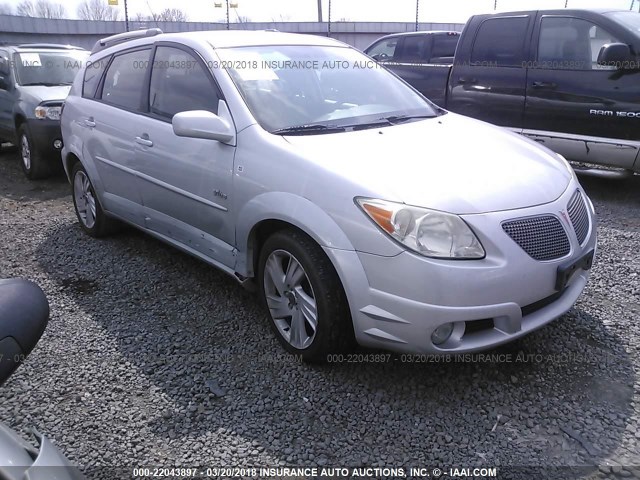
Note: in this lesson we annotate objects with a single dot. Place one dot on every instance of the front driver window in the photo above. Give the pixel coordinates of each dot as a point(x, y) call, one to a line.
point(570, 43)
point(384, 50)
point(179, 83)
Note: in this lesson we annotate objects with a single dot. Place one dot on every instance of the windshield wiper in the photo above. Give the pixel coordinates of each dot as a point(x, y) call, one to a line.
point(309, 128)
point(405, 118)
point(45, 84)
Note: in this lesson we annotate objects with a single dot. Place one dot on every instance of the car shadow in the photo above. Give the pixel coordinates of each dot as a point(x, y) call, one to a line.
point(15, 186)
point(204, 345)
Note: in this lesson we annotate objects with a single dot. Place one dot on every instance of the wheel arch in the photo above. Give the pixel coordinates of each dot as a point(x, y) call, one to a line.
point(273, 211)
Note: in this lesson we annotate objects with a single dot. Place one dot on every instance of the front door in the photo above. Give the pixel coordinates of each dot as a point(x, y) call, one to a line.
point(574, 106)
point(185, 183)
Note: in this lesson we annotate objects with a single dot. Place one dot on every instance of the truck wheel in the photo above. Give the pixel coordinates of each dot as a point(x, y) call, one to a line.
point(92, 218)
point(304, 298)
point(33, 165)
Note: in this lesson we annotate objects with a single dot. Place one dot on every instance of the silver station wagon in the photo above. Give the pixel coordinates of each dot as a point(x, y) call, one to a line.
point(358, 209)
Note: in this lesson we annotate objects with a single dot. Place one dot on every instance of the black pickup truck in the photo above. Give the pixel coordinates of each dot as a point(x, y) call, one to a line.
point(569, 79)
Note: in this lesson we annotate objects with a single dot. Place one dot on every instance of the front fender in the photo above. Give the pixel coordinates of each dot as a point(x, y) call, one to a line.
point(290, 208)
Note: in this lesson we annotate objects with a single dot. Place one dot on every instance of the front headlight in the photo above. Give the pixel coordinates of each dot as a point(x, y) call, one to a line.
point(429, 232)
point(51, 113)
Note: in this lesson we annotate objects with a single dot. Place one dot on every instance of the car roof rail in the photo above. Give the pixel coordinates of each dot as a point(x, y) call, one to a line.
point(124, 37)
point(53, 46)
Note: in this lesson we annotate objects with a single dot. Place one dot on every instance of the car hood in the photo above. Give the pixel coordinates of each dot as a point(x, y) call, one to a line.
point(40, 93)
point(450, 163)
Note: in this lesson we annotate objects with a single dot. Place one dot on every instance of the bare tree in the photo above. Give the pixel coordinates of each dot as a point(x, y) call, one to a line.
point(41, 9)
point(97, 10)
point(170, 15)
point(5, 9)
point(281, 18)
point(242, 19)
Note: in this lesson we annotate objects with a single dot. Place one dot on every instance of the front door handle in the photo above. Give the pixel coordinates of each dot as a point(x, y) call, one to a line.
point(90, 122)
point(467, 81)
point(548, 85)
point(144, 141)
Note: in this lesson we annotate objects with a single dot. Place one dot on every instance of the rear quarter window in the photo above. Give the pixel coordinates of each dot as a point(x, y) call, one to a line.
point(92, 75)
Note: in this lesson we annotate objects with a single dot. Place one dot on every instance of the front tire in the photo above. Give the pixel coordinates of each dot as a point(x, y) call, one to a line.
point(33, 164)
point(88, 210)
point(304, 298)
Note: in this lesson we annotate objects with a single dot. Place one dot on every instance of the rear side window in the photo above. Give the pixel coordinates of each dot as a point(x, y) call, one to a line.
point(92, 76)
point(124, 80)
point(384, 50)
point(179, 83)
point(413, 49)
point(500, 42)
point(444, 46)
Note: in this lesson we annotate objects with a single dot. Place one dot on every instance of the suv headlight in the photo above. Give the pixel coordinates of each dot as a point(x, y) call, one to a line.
point(428, 232)
point(51, 113)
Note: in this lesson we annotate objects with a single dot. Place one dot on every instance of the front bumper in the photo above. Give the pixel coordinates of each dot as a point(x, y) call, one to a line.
point(397, 302)
point(44, 134)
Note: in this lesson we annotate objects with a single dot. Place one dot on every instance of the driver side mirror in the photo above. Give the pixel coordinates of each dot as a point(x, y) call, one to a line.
point(202, 124)
point(616, 55)
point(24, 314)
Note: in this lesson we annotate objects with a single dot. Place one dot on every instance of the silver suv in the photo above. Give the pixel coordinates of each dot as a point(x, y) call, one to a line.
point(360, 209)
point(34, 82)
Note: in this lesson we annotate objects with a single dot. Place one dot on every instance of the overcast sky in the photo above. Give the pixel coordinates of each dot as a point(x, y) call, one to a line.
point(354, 10)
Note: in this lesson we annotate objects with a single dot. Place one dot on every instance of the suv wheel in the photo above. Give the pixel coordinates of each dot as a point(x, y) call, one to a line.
point(33, 165)
point(88, 210)
point(304, 297)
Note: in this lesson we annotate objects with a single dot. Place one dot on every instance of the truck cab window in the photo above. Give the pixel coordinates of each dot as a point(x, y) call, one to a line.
point(384, 50)
point(413, 50)
point(570, 43)
point(500, 42)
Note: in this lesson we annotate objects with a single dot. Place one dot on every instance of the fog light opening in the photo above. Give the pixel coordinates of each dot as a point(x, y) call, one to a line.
point(57, 144)
point(442, 333)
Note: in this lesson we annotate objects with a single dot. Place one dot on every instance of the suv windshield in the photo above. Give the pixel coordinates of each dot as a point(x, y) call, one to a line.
point(48, 68)
point(318, 89)
point(630, 20)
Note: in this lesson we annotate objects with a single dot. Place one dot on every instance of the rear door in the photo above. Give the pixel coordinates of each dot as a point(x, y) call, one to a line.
point(185, 183)
point(574, 106)
point(110, 120)
point(488, 81)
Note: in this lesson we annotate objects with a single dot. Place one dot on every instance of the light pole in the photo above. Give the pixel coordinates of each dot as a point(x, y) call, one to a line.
point(320, 11)
point(566, 3)
point(495, 5)
point(417, 12)
point(329, 21)
point(126, 15)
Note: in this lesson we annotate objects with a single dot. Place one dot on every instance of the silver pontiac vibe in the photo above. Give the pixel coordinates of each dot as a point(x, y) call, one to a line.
point(359, 209)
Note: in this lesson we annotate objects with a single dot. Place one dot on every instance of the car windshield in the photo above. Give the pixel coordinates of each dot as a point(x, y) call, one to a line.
point(319, 89)
point(630, 20)
point(48, 68)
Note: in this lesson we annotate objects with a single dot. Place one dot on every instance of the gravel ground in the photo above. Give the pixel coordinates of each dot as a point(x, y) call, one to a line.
point(153, 358)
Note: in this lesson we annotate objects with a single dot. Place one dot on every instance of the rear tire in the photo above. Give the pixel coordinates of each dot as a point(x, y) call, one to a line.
point(33, 164)
point(303, 296)
point(90, 215)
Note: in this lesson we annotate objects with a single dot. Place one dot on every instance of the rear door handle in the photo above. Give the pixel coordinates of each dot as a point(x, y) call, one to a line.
point(467, 80)
point(90, 122)
point(549, 85)
point(144, 141)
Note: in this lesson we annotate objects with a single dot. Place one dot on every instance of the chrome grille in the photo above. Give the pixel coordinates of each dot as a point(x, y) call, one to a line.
point(542, 237)
point(577, 211)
